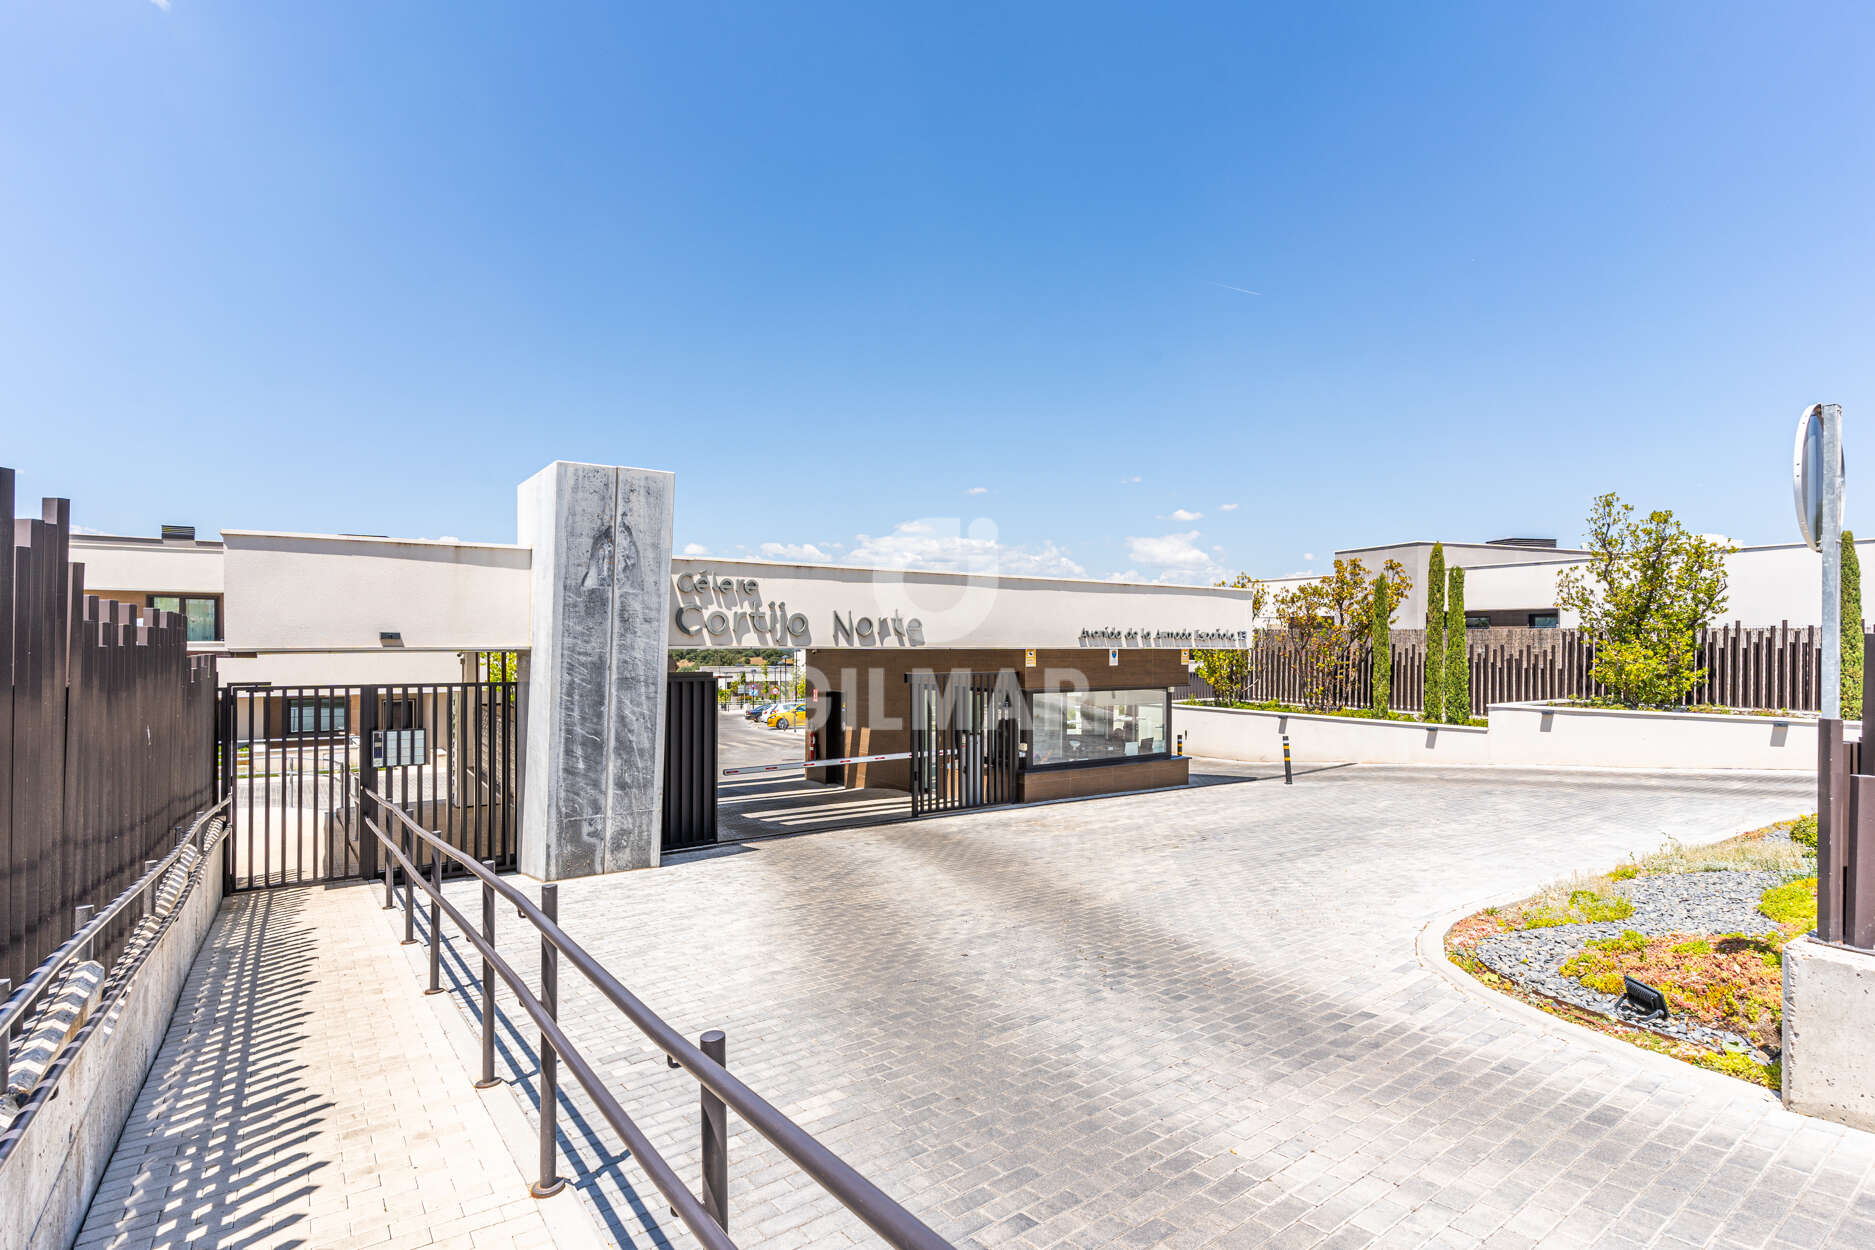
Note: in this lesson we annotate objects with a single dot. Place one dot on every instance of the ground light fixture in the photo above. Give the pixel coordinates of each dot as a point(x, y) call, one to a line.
point(1641, 1000)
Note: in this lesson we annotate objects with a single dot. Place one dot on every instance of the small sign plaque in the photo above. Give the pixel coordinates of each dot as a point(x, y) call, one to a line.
point(1113, 657)
point(1028, 658)
point(1184, 656)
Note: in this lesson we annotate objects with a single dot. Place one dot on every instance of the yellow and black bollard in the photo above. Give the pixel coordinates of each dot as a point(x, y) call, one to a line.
point(1289, 777)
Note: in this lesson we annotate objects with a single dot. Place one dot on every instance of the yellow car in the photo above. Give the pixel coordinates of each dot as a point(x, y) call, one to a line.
point(788, 716)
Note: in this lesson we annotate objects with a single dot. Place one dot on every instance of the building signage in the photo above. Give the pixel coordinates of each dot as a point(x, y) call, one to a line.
point(1184, 639)
point(731, 608)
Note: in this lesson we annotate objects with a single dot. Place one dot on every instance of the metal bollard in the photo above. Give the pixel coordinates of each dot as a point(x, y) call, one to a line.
point(715, 1138)
point(81, 916)
point(436, 922)
point(488, 984)
point(550, 1182)
point(1289, 777)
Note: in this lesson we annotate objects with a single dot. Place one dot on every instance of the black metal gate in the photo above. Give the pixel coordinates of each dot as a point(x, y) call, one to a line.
point(964, 736)
point(445, 752)
point(689, 761)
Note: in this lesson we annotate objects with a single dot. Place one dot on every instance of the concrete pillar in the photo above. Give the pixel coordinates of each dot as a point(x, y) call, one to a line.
point(594, 712)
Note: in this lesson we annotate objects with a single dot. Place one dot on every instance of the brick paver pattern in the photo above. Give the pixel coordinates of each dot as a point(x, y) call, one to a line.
point(305, 1096)
point(1182, 1019)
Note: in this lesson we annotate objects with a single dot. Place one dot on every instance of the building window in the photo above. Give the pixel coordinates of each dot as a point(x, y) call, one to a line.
point(322, 714)
point(1072, 727)
point(1544, 620)
point(1477, 622)
point(203, 613)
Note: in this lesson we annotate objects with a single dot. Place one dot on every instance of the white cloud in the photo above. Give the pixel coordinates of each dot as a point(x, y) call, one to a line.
point(1308, 555)
point(1131, 575)
point(793, 551)
point(943, 545)
point(161, 4)
point(1167, 551)
point(696, 549)
point(1183, 514)
point(978, 490)
point(1227, 507)
point(1128, 481)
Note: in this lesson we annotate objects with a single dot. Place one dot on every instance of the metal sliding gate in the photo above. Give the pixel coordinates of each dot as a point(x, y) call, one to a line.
point(964, 737)
point(444, 752)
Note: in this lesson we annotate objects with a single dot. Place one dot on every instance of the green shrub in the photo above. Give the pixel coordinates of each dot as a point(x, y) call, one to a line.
point(1432, 708)
point(1850, 580)
point(1457, 693)
point(1380, 645)
point(1698, 946)
point(1803, 831)
point(1791, 903)
point(1628, 940)
point(1594, 907)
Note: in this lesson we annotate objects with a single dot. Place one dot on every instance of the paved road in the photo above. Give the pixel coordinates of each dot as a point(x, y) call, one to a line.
point(1189, 1018)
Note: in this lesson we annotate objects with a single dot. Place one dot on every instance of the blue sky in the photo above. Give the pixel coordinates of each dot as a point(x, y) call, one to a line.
point(364, 267)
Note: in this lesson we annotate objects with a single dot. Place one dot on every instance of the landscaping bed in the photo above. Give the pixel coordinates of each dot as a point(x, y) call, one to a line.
point(1706, 926)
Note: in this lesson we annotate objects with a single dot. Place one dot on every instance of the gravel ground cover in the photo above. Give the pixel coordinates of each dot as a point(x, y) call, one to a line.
point(1530, 944)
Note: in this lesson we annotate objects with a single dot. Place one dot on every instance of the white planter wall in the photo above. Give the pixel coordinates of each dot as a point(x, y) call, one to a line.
point(1523, 734)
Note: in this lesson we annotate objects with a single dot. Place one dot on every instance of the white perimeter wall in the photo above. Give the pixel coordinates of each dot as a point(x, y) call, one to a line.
point(1520, 734)
point(148, 565)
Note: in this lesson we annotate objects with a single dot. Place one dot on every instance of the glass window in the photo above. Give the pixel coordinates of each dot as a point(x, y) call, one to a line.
point(1544, 620)
point(202, 613)
point(322, 715)
point(1477, 622)
point(1097, 725)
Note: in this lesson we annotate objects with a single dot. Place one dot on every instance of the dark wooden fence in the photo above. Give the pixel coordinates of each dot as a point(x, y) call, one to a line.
point(1773, 667)
point(107, 740)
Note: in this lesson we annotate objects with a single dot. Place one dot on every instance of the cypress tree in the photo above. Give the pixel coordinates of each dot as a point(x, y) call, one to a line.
point(1432, 706)
point(1380, 644)
point(1852, 657)
point(1457, 653)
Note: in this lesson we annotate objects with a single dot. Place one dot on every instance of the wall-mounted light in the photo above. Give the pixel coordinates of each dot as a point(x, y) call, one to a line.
point(390, 638)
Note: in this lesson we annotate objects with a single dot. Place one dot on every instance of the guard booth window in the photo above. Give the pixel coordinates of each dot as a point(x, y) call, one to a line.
point(1097, 725)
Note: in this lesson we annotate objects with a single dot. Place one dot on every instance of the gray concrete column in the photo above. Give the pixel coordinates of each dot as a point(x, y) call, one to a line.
point(596, 669)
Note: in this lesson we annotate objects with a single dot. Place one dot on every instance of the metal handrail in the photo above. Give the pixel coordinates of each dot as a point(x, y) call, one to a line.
point(899, 1227)
point(49, 970)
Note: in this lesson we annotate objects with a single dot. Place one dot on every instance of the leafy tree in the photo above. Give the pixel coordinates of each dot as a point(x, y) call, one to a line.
point(1457, 691)
point(1227, 669)
point(1851, 601)
point(1646, 590)
point(1380, 644)
point(1432, 705)
point(1325, 619)
point(500, 665)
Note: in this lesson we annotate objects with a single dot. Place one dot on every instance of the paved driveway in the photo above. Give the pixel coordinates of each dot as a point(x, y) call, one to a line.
point(1190, 1018)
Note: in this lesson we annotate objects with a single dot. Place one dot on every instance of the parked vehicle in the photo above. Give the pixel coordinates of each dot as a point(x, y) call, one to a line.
point(758, 712)
point(788, 716)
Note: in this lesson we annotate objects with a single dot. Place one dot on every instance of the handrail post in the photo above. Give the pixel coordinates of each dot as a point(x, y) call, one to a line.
point(81, 916)
point(368, 848)
point(550, 1182)
point(488, 984)
point(390, 863)
point(715, 1137)
point(436, 922)
point(410, 901)
point(149, 891)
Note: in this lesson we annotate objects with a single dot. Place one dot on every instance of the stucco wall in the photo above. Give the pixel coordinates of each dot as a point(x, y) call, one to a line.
point(320, 593)
point(143, 565)
point(1519, 734)
point(950, 609)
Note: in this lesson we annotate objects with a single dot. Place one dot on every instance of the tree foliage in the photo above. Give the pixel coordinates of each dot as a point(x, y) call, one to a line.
point(1647, 589)
point(1227, 669)
point(1852, 658)
point(1432, 703)
point(1325, 621)
point(1457, 684)
point(1380, 645)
